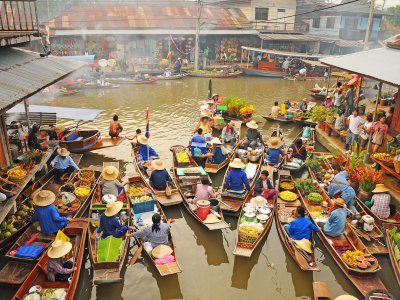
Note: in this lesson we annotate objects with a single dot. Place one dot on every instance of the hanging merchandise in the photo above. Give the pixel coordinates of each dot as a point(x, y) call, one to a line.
point(178, 49)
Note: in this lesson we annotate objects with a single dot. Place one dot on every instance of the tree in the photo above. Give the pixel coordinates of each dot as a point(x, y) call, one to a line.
point(395, 17)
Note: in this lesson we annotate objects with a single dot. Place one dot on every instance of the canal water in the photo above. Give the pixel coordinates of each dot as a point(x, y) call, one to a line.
point(210, 270)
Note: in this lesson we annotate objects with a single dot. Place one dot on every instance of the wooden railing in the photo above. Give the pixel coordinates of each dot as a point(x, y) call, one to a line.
point(18, 15)
point(280, 26)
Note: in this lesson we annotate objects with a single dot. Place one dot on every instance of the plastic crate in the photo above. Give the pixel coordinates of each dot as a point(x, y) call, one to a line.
point(143, 207)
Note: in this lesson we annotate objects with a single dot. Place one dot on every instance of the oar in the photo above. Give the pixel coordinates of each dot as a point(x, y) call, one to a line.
point(360, 233)
point(227, 205)
point(135, 256)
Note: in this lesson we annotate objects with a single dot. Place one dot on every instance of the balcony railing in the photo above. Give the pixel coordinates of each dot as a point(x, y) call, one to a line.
point(280, 26)
point(18, 15)
point(356, 34)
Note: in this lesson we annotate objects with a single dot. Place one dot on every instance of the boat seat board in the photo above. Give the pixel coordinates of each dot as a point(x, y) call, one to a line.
point(168, 269)
point(243, 251)
point(107, 142)
point(106, 276)
point(216, 226)
point(15, 272)
point(321, 291)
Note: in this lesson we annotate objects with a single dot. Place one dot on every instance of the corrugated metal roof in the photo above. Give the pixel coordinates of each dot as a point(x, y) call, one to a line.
point(24, 73)
point(381, 64)
point(295, 37)
point(355, 44)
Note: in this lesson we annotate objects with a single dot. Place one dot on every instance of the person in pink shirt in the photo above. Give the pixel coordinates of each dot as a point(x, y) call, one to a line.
point(328, 103)
point(204, 191)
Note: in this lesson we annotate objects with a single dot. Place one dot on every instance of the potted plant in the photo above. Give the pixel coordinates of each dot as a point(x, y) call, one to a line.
point(246, 113)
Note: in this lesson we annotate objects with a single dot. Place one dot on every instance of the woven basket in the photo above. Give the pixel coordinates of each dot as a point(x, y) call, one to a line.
point(247, 238)
point(81, 182)
point(17, 180)
point(396, 164)
point(83, 198)
point(86, 179)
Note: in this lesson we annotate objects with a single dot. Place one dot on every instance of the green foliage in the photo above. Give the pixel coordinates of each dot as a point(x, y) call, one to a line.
point(306, 186)
point(313, 164)
point(395, 17)
point(356, 159)
point(315, 197)
point(319, 113)
point(234, 105)
point(109, 249)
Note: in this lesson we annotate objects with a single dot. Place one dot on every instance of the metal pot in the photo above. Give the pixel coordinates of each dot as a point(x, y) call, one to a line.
point(253, 158)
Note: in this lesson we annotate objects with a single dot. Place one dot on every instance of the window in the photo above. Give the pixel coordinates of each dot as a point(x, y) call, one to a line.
point(315, 22)
point(261, 14)
point(330, 22)
point(351, 23)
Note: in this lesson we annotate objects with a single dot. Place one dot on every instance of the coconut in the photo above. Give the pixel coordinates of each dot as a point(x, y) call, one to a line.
point(7, 234)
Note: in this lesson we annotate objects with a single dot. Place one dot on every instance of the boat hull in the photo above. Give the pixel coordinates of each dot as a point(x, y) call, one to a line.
point(257, 72)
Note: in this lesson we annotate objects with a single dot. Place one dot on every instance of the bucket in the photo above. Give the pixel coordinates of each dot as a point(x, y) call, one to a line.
point(14, 151)
point(214, 204)
point(382, 102)
point(203, 209)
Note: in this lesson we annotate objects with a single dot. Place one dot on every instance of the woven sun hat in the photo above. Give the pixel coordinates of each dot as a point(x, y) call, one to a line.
point(346, 297)
point(340, 202)
point(113, 208)
point(329, 96)
point(63, 152)
point(304, 244)
point(110, 173)
point(237, 163)
point(258, 200)
point(380, 188)
point(274, 142)
point(216, 141)
point(158, 164)
point(59, 128)
point(252, 124)
point(211, 218)
point(231, 123)
point(44, 198)
point(328, 177)
point(142, 139)
point(161, 250)
point(215, 95)
point(59, 249)
point(304, 100)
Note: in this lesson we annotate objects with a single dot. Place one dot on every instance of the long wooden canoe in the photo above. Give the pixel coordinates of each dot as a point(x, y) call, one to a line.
point(215, 168)
point(172, 77)
point(321, 291)
point(165, 269)
point(76, 231)
point(394, 219)
point(161, 196)
point(304, 260)
point(185, 185)
point(391, 247)
point(214, 74)
point(280, 118)
point(124, 80)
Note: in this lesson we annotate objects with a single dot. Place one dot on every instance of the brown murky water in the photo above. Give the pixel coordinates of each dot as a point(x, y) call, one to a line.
point(210, 270)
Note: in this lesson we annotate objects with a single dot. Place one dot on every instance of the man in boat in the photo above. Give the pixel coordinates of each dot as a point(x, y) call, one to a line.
point(288, 104)
point(115, 127)
point(159, 177)
point(274, 152)
point(6, 189)
point(337, 219)
point(167, 72)
point(63, 165)
point(275, 110)
point(253, 136)
point(145, 152)
point(301, 227)
point(217, 156)
point(134, 138)
point(237, 180)
point(204, 190)
point(59, 268)
point(198, 144)
point(46, 213)
point(34, 142)
point(380, 202)
point(264, 186)
point(303, 105)
point(109, 224)
point(110, 183)
point(229, 134)
point(286, 64)
point(303, 72)
point(339, 187)
point(178, 66)
point(299, 151)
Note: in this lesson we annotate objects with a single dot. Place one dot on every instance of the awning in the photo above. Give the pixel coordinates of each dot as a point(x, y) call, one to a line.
point(381, 64)
point(85, 58)
point(295, 37)
point(24, 73)
point(284, 53)
point(316, 63)
point(70, 113)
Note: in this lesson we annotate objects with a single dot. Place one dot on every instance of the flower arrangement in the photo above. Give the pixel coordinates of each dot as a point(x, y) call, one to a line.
point(370, 178)
point(234, 105)
point(247, 111)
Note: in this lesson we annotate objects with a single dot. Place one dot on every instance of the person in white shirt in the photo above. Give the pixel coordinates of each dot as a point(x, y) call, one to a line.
point(355, 122)
point(303, 72)
point(286, 64)
point(365, 131)
point(275, 110)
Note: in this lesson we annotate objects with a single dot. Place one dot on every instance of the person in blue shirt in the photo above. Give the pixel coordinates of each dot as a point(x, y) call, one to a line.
point(299, 151)
point(301, 227)
point(198, 144)
point(46, 213)
point(339, 187)
point(217, 156)
point(145, 151)
point(303, 105)
point(159, 177)
point(287, 104)
point(336, 224)
point(237, 179)
point(109, 224)
point(275, 150)
point(63, 165)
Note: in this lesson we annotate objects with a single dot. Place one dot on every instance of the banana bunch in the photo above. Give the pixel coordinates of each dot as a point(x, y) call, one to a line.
point(249, 230)
point(141, 199)
point(382, 156)
point(182, 157)
point(287, 196)
point(135, 191)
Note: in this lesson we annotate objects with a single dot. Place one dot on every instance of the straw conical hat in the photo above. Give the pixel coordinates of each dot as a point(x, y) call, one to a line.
point(44, 198)
point(304, 244)
point(380, 188)
point(142, 139)
point(274, 142)
point(346, 297)
point(113, 208)
point(161, 250)
point(340, 202)
point(216, 141)
point(252, 124)
point(237, 163)
point(59, 249)
point(63, 152)
point(158, 164)
point(211, 218)
point(110, 173)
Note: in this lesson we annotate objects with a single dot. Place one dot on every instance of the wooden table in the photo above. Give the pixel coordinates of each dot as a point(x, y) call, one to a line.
point(386, 168)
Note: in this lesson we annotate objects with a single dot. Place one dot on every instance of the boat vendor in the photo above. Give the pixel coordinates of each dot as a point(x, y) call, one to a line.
point(301, 227)
point(217, 156)
point(34, 142)
point(264, 186)
point(339, 187)
point(253, 136)
point(46, 213)
point(380, 202)
point(6, 189)
point(115, 127)
point(205, 124)
point(154, 235)
point(204, 190)
point(237, 180)
point(288, 104)
point(178, 65)
point(328, 103)
point(110, 183)
point(299, 150)
point(63, 164)
point(274, 151)
point(109, 224)
point(59, 268)
point(275, 110)
point(215, 99)
point(145, 151)
point(230, 134)
point(336, 224)
point(303, 105)
point(159, 177)
point(167, 72)
point(198, 144)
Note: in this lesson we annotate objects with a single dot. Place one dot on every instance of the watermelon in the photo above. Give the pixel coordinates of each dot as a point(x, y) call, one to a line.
point(370, 259)
point(360, 258)
point(362, 265)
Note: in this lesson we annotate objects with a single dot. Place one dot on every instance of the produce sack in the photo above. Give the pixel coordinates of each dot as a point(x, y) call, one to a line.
point(251, 170)
point(29, 251)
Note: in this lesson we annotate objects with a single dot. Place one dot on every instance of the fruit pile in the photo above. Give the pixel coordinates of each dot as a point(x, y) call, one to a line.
point(315, 197)
point(343, 132)
point(82, 191)
point(182, 157)
point(141, 199)
point(383, 156)
point(14, 222)
point(16, 174)
point(137, 191)
point(358, 259)
point(81, 183)
point(86, 174)
point(287, 196)
point(287, 185)
point(67, 203)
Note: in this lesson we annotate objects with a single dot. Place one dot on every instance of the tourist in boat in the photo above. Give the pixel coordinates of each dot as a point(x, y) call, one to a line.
point(237, 180)
point(336, 224)
point(264, 186)
point(34, 142)
point(204, 124)
point(380, 130)
point(217, 156)
point(365, 132)
point(115, 127)
point(287, 104)
point(299, 150)
point(109, 223)
point(301, 227)
point(58, 267)
point(303, 105)
point(328, 103)
point(275, 110)
point(274, 151)
point(110, 185)
point(6, 189)
point(46, 213)
point(154, 235)
point(159, 177)
point(253, 136)
point(198, 144)
point(134, 138)
point(230, 134)
point(63, 165)
point(349, 97)
point(354, 122)
point(204, 190)
point(145, 152)
point(380, 202)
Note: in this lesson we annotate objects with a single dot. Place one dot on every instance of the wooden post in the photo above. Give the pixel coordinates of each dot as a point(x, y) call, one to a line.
point(248, 58)
point(26, 105)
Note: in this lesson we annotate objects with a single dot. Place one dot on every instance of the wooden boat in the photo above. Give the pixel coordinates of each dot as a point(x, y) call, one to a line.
point(305, 78)
point(392, 220)
point(68, 92)
point(172, 77)
point(214, 168)
point(378, 294)
point(185, 185)
point(169, 268)
point(318, 96)
point(244, 248)
point(391, 247)
point(106, 272)
point(208, 74)
point(321, 291)
point(265, 69)
point(96, 86)
point(304, 260)
point(280, 118)
point(76, 231)
point(175, 197)
point(131, 80)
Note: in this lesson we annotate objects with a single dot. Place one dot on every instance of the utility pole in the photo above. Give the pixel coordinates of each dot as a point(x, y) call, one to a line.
point(196, 45)
point(370, 23)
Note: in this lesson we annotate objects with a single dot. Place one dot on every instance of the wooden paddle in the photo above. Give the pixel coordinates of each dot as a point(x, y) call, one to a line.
point(135, 256)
